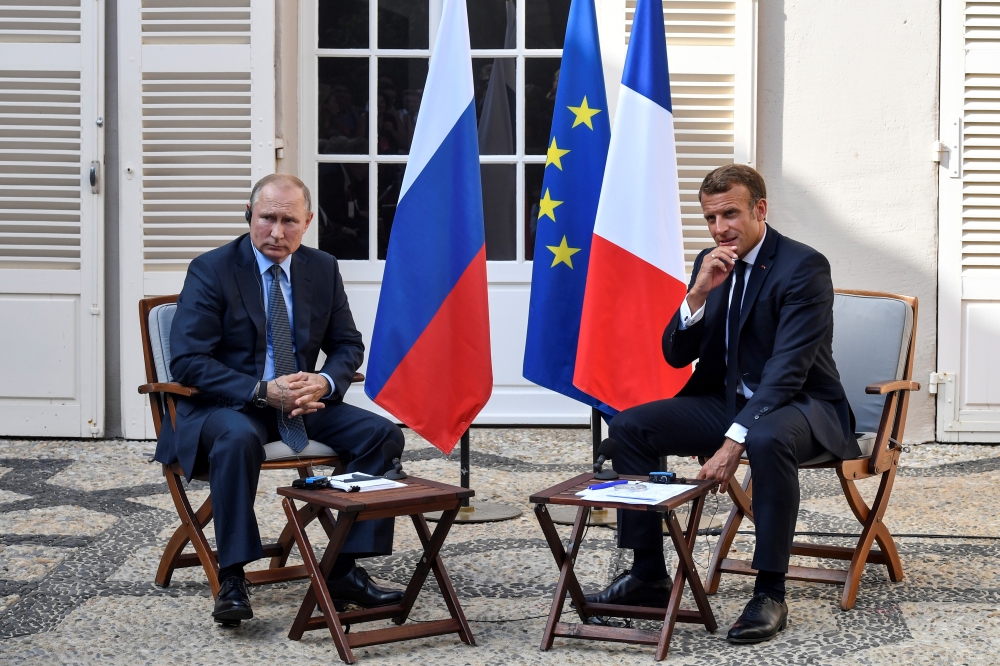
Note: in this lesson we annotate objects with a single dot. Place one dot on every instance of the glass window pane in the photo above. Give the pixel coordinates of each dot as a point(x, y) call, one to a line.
point(390, 178)
point(545, 23)
point(533, 174)
point(541, 78)
point(402, 24)
point(400, 89)
point(343, 24)
point(492, 24)
point(343, 100)
point(494, 80)
point(500, 210)
point(343, 210)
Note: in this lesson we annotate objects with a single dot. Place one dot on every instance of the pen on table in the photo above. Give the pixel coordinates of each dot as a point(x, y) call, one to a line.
point(607, 485)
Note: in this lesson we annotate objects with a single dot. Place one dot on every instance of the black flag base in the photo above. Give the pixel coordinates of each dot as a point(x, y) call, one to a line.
point(476, 512)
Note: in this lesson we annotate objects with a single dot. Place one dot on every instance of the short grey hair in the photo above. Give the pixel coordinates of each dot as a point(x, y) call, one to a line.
point(285, 179)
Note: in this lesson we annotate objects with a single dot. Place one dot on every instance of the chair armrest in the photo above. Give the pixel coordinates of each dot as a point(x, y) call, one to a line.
point(881, 388)
point(172, 387)
point(358, 378)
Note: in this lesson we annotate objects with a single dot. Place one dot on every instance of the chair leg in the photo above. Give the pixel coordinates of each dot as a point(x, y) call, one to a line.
point(874, 529)
point(741, 496)
point(182, 535)
point(193, 526)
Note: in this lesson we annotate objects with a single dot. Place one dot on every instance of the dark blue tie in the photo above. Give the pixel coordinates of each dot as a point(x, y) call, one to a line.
point(732, 357)
point(293, 430)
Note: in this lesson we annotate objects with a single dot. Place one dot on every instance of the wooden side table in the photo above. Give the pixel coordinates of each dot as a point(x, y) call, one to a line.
point(565, 493)
point(419, 496)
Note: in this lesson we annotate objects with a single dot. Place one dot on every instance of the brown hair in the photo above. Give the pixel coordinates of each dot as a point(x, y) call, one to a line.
point(725, 177)
point(285, 179)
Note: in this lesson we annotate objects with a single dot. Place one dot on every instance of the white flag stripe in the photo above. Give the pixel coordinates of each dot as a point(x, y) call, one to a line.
point(447, 92)
point(640, 210)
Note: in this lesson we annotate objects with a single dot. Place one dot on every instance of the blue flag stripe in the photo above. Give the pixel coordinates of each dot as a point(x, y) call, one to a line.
point(646, 61)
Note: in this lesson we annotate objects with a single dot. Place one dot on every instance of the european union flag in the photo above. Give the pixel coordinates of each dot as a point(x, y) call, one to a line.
point(571, 188)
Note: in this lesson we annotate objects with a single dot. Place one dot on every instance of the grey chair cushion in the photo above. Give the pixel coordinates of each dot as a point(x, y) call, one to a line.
point(160, 319)
point(281, 451)
point(871, 335)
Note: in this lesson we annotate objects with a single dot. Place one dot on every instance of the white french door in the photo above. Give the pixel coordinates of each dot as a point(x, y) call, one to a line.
point(51, 219)
point(967, 381)
point(362, 67)
point(196, 122)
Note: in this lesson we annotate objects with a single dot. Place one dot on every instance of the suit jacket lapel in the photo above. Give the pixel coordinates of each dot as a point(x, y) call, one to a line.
point(251, 290)
point(761, 269)
point(301, 301)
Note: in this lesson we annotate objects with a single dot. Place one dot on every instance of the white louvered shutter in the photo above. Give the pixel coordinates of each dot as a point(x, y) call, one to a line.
point(969, 229)
point(51, 222)
point(197, 130)
point(711, 49)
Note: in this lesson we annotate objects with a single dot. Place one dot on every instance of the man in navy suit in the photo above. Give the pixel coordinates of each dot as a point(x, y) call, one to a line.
point(251, 320)
point(758, 318)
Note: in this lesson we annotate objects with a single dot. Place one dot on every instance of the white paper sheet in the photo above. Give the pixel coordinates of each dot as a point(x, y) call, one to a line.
point(636, 492)
point(345, 482)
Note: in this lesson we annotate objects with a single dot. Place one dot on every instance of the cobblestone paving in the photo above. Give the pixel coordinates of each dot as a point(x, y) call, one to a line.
point(82, 525)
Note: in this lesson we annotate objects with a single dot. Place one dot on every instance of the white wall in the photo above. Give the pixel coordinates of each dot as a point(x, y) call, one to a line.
point(847, 114)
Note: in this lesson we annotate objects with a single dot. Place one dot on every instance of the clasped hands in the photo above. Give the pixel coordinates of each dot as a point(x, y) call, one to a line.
point(297, 394)
point(721, 467)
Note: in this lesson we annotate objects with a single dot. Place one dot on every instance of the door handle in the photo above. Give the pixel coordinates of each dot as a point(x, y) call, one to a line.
point(95, 176)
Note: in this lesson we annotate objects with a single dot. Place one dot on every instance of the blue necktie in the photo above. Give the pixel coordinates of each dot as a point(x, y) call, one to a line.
point(732, 357)
point(293, 430)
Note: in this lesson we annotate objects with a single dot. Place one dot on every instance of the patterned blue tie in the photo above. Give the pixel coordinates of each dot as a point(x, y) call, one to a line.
point(293, 430)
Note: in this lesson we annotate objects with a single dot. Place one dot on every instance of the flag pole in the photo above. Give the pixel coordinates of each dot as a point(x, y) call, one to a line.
point(599, 516)
point(475, 512)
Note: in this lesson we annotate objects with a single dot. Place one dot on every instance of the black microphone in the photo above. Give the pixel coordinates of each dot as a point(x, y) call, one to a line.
point(605, 452)
point(392, 451)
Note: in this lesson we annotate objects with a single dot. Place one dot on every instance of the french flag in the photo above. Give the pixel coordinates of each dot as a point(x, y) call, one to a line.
point(636, 281)
point(429, 364)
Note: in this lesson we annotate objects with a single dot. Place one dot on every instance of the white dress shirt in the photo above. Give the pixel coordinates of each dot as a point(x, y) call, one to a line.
point(736, 432)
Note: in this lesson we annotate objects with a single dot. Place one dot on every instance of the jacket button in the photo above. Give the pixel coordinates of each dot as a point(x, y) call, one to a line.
point(756, 417)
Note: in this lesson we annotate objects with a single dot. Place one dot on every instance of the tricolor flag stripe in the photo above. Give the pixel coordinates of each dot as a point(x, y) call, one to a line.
point(430, 361)
point(451, 80)
point(420, 251)
point(636, 279)
point(640, 202)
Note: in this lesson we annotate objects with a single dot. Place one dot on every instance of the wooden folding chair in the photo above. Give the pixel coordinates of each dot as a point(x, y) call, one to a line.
point(873, 346)
point(155, 318)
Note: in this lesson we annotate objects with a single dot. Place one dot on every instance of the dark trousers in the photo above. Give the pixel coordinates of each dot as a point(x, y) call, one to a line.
point(696, 426)
point(232, 446)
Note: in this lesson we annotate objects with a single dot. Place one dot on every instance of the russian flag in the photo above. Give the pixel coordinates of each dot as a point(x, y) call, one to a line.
point(636, 280)
point(429, 364)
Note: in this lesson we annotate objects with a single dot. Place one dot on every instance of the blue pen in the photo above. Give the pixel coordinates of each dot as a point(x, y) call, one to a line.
point(607, 485)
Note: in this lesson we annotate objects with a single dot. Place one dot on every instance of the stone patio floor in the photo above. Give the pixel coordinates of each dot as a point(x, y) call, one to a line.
point(82, 524)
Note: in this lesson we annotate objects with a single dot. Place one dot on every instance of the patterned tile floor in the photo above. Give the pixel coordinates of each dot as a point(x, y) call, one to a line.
point(82, 524)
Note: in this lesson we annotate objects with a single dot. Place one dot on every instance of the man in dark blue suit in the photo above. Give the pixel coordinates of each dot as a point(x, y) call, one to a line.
point(251, 320)
point(758, 318)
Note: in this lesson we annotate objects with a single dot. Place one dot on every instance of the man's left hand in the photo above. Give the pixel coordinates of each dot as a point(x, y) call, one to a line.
point(314, 388)
point(721, 467)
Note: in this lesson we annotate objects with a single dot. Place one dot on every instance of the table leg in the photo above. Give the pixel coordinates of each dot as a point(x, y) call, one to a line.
point(558, 553)
point(567, 579)
point(684, 545)
point(318, 591)
point(428, 541)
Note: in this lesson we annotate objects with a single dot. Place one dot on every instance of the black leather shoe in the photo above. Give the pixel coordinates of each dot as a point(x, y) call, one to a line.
point(358, 588)
point(763, 617)
point(233, 602)
point(629, 590)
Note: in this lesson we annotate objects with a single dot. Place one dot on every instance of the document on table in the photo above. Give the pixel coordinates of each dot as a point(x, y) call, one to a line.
point(362, 482)
point(636, 492)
